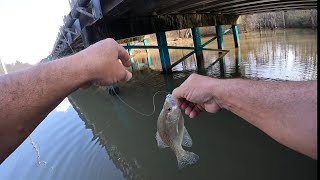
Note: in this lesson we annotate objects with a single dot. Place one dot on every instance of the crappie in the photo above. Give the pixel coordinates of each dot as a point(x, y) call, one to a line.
point(172, 133)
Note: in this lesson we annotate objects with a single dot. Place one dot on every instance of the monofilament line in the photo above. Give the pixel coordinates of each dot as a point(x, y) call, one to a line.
point(35, 147)
point(154, 106)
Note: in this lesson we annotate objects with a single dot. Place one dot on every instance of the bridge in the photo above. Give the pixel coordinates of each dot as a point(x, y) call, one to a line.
point(92, 20)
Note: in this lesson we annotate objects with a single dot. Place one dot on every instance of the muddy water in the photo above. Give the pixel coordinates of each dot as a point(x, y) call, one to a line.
point(95, 136)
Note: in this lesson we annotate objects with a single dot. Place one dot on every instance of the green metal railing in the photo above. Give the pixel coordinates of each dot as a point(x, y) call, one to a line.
point(163, 47)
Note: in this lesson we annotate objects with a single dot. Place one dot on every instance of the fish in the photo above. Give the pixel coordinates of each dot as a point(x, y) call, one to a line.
point(172, 133)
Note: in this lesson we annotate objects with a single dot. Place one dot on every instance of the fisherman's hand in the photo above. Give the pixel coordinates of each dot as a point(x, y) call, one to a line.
point(195, 95)
point(105, 61)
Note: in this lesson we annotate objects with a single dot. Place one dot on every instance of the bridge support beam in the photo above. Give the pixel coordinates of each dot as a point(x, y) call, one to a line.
point(164, 52)
point(236, 35)
point(88, 36)
point(168, 81)
point(238, 61)
point(219, 36)
point(198, 48)
point(133, 64)
point(220, 42)
point(145, 43)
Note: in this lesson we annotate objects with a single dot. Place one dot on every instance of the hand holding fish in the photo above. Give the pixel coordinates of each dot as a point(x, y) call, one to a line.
point(286, 111)
point(195, 96)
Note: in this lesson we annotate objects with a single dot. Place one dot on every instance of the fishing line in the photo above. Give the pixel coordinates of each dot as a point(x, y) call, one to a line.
point(33, 143)
point(154, 106)
point(36, 148)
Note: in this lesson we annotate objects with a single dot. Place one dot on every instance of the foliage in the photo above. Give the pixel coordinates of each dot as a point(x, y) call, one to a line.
point(17, 66)
point(282, 19)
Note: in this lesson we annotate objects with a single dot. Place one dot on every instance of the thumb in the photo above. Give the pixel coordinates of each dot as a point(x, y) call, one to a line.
point(178, 95)
point(125, 75)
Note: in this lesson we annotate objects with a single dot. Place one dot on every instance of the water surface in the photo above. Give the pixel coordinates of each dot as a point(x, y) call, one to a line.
point(93, 135)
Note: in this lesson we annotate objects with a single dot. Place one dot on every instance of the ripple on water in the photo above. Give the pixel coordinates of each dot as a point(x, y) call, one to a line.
point(105, 140)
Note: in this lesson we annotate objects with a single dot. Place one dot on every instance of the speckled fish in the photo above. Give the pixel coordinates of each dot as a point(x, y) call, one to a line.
point(172, 133)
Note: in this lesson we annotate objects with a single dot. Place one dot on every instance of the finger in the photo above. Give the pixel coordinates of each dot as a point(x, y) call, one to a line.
point(194, 114)
point(125, 75)
point(197, 109)
point(124, 56)
point(184, 105)
point(128, 76)
point(189, 108)
point(177, 95)
point(180, 101)
point(212, 108)
point(201, 109)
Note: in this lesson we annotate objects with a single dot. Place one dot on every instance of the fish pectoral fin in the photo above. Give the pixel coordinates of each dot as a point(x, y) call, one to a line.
point(186, 141)
point(160, 142)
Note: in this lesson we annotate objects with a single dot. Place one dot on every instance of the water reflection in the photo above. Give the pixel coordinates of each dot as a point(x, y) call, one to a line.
point(128, 137)
point(223, 141)
point(68, 149)
point(286, 55)
point(237, 53)
point(278, 55)
point(99, 137)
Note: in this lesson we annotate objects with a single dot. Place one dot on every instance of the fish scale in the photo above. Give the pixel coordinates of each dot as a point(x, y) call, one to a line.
point(172, 133)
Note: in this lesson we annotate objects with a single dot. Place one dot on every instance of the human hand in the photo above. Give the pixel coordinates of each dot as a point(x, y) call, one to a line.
point(106, 61)
point(195, 95)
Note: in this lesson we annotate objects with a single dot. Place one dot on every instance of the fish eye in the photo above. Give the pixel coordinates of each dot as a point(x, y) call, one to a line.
point(169, 109)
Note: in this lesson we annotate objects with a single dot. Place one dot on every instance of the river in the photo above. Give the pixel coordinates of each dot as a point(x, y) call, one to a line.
point(93, 135)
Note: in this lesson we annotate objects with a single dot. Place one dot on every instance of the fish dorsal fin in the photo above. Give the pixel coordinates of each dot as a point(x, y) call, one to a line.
point(186, 141)
point(160, 142)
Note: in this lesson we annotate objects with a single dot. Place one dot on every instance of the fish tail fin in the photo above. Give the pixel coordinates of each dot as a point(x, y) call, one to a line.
point(187, 158)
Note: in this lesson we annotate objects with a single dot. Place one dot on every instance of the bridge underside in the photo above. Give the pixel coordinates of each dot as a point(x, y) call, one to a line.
point(133, 8)
point(125, 28)
point(92, 20)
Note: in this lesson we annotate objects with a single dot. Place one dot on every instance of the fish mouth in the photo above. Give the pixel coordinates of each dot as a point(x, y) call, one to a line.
point(171, 100)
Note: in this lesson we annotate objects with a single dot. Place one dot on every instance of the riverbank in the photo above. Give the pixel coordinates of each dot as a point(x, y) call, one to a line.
point(173, 38)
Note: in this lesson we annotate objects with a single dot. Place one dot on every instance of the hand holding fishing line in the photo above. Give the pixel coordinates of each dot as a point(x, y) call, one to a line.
point(102, 62)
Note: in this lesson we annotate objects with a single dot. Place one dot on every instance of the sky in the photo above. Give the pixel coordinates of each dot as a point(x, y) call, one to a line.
point(28, 28)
